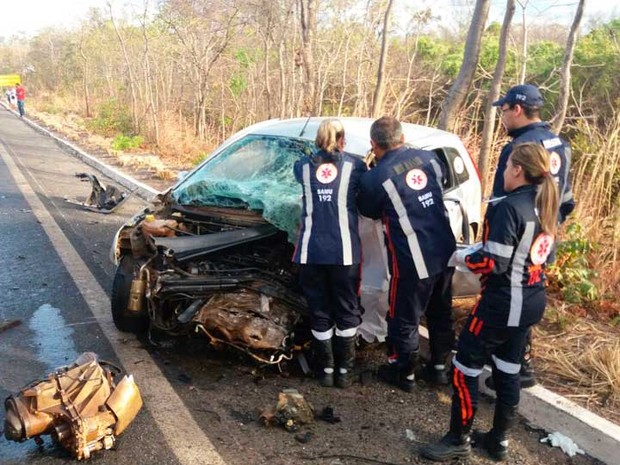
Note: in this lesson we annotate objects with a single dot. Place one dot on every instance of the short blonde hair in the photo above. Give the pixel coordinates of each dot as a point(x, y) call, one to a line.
point(330, 132)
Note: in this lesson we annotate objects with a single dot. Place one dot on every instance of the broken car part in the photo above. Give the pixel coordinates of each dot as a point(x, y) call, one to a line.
point(291, 411)
point(102, 199)
point(80, 406)
point(221, 273)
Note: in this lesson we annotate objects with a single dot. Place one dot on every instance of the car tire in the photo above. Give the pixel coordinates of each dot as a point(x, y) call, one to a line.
point(125, 320)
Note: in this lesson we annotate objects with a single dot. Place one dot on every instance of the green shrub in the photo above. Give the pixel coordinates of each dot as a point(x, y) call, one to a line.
point(123, 142)
point(572, 268)
point(202, 156)
point(112, 117)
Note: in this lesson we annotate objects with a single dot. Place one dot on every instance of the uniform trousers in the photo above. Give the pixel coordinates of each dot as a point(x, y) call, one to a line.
point(332, 293)
point(409, 299)
point(478, 343)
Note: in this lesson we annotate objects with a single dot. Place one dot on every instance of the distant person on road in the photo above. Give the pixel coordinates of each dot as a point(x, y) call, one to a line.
point(20, 92)
point(10, 94)
point(518, 237)
point(520, 113)
point(405, 191)
point(330, 253)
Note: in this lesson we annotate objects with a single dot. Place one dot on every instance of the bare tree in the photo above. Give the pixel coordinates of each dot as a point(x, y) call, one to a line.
point(85, 68)
point(493, 94)
point(377, 101)
point(523, 55)
point(458, 92)
point(308, 12)
point(558, 119)
point(204, 31)
point(132, 81)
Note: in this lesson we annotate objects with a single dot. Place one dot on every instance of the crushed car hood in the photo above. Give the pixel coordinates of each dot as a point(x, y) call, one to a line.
point(190, 248)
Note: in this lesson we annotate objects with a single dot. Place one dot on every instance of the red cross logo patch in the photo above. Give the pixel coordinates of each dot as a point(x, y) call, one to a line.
point(555, 163)
point(326, 173)
point(416, 179)
point(541, 248)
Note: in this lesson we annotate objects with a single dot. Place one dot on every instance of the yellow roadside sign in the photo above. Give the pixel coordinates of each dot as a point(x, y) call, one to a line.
point(9, 80)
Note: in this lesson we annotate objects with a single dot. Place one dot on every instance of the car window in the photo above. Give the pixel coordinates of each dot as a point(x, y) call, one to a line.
point(255, 172)
point(457, 164)
point(456, 170)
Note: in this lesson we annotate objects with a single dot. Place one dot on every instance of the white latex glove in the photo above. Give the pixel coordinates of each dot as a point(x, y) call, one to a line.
point(458, 257)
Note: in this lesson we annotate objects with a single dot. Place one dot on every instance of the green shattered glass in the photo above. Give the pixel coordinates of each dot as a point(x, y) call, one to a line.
point(255, 172)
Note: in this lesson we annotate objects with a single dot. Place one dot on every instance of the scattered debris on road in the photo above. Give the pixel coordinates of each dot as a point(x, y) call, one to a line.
point(4, 325)
point(291, 412)
point(565, 443)
point(79, 405)
point(102, 199)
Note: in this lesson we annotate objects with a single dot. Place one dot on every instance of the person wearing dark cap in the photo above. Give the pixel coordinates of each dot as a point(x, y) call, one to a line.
point(520, 114)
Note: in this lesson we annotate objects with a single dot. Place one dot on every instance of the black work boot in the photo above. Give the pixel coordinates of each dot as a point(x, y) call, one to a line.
point(434, 375)
point(526, 374)
point(324, 361)
point(495, 441)
point(434, 372)
point(400, 374)
point(455, 444)
point(344, 353)
point(527, 378)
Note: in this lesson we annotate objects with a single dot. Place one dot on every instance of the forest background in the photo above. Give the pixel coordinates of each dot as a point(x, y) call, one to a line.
point(178, 77)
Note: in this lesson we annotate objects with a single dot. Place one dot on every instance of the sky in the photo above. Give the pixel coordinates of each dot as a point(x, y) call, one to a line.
point(35, 15)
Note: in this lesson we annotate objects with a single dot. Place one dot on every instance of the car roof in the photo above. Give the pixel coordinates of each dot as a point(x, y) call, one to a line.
point(357, 132)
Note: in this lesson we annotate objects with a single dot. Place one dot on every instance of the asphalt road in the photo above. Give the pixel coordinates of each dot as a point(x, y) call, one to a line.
point(201, 407)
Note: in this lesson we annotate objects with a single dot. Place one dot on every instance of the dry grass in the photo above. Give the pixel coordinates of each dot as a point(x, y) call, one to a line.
point(582, 362)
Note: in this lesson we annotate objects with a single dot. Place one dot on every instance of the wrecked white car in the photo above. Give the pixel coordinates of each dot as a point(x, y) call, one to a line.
point(213, 254)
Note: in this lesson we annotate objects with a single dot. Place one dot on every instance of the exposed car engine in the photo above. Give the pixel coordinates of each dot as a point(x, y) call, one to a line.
point(224, 273)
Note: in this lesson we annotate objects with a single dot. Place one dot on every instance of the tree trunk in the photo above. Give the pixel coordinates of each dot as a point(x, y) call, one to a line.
point(308, 11)
point(489, 110)
point(132, 84)
point(84, 78)
point(458, 93)
point(377, 101)
point(523, 57)
point(558, 119)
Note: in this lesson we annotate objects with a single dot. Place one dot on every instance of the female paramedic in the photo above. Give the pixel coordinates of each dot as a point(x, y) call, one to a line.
point(518, 236)
point(329, 252)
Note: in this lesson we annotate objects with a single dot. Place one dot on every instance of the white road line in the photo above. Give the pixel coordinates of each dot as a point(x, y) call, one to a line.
point(181, 432)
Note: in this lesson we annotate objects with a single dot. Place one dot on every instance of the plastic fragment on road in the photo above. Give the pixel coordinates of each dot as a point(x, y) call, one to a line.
point(565, 443)
point(80, 405)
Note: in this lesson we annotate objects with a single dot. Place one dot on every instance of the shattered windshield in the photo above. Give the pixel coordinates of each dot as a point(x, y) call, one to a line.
point(255, 172)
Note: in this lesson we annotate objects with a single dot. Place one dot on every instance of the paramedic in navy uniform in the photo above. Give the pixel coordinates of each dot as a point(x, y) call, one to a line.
point(518, 237)
point(329, 252)
point(404, 189)
point(520, 113)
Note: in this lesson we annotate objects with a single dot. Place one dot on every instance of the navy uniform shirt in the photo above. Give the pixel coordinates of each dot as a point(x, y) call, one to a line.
point(560, 153)
point(405, 191)
point(329, 232)
point(512, 260)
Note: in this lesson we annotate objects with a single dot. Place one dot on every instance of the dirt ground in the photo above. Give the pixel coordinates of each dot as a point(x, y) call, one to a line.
point(378, 424)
